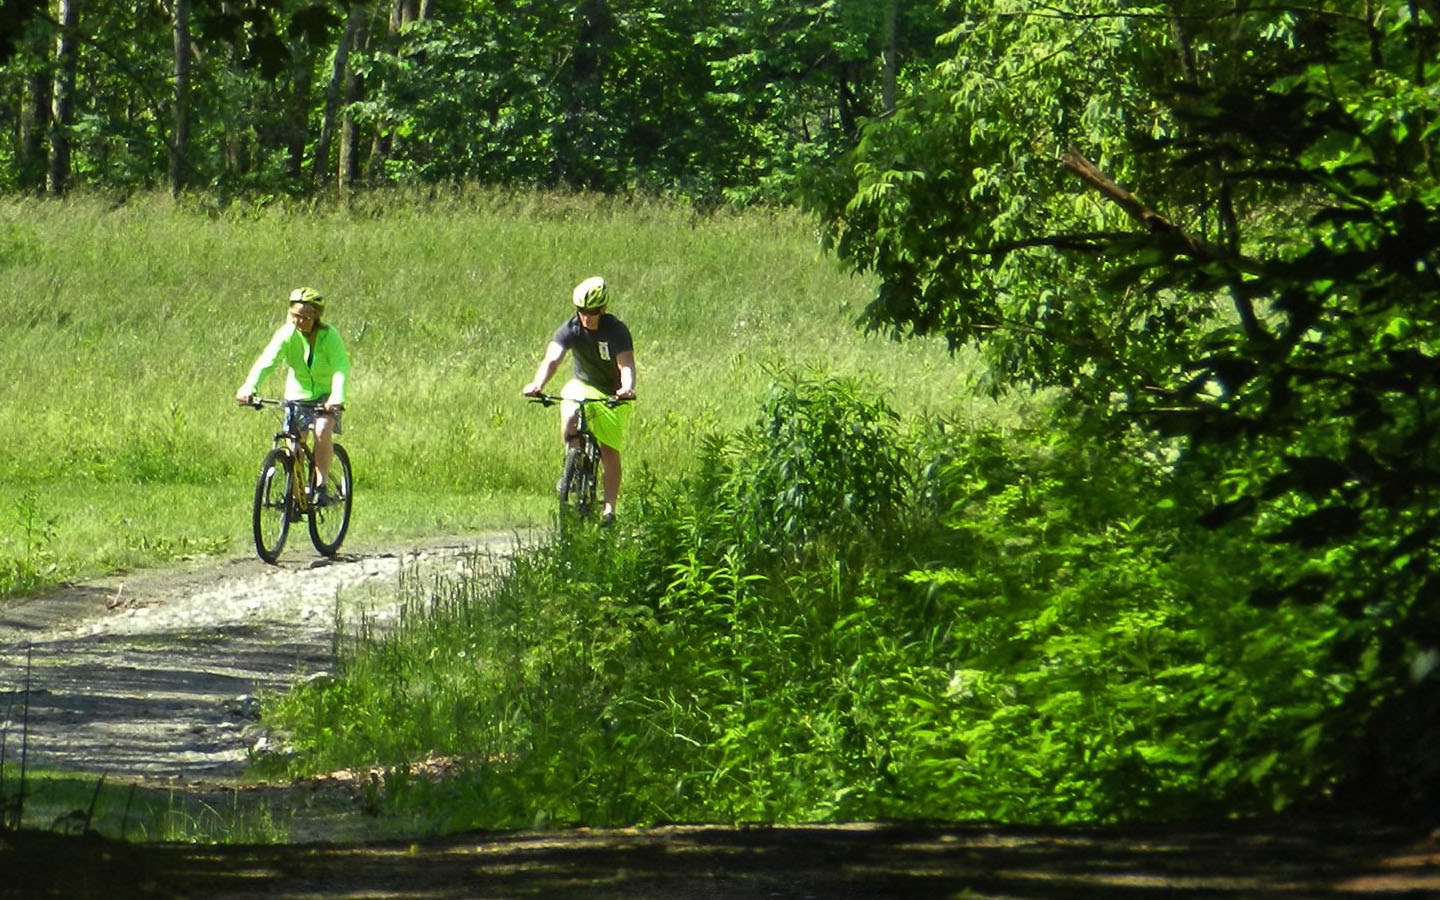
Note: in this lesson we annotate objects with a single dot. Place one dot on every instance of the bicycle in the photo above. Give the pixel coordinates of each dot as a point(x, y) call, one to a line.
point(291, 462)
point(580, 473)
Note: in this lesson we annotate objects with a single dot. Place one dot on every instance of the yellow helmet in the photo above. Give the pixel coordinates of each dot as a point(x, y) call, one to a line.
point(308, 295)
point(590, 293)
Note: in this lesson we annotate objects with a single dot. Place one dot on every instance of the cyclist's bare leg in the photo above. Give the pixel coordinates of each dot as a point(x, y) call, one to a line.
point(610, 478)
point(324, 446)
point(567, 429)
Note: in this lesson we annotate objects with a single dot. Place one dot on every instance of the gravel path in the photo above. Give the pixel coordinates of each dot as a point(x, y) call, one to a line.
point(154, 675)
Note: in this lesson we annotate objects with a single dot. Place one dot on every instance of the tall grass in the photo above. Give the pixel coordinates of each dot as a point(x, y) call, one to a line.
point(129, 324)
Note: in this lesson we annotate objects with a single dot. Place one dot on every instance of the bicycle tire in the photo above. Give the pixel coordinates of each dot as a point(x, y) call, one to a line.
point(589, 478)
point(329, 523)
point(576, 481)
point(274, 500)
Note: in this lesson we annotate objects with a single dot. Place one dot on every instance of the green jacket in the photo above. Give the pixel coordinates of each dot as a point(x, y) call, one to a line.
point(311, 377)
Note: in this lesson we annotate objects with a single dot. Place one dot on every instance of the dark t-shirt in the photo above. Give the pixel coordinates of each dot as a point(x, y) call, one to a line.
point(595, 351)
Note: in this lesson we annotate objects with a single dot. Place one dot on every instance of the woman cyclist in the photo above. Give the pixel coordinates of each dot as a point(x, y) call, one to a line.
point(318, 370)
point(604, 357)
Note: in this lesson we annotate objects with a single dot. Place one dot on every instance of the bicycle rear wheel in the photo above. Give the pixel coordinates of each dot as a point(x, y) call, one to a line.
point(329, 523)
point(274, 499)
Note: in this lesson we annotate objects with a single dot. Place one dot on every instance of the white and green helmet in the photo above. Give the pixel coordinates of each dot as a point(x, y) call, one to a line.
point(590, 293)
point(308, 295)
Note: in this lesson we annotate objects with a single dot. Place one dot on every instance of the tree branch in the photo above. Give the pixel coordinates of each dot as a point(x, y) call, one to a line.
point(1158, 224)
point(1153, 221)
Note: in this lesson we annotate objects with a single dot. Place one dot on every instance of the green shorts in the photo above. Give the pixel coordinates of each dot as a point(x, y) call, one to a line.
point(609, 424)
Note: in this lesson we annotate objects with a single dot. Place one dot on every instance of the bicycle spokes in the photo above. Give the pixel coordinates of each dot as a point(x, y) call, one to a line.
point(330, 520)
point(274, 502)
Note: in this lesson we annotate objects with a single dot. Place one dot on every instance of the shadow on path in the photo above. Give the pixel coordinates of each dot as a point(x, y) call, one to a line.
point(1288, 859)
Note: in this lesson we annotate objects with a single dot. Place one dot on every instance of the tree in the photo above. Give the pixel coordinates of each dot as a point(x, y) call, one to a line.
point(339, 72)
point(180, 140)
point(63, 102)
point(1246, 262)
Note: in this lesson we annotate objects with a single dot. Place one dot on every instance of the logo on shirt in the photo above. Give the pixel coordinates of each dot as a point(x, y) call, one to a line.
point(604, 349)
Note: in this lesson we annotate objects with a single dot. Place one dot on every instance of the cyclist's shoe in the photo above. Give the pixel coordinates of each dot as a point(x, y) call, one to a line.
point(322, 496)
point(607, 520)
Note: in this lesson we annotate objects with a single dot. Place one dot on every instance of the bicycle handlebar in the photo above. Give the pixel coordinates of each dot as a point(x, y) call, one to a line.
point(552, 399)
point(262, 402)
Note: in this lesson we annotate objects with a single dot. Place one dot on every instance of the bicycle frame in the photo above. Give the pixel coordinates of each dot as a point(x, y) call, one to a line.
point(292, 439)
point(580, 475)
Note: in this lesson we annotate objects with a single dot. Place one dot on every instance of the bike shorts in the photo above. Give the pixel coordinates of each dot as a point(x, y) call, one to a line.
point(609, 424)
point(303, 417)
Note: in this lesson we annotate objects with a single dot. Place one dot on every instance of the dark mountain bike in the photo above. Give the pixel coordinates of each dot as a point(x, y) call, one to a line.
point(580, 472)
point(285, 490)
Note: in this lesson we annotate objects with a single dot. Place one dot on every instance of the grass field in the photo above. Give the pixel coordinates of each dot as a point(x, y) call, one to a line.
point(129, 325)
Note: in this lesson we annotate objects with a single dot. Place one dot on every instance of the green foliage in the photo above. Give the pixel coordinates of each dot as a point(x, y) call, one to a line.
point(33, 564)
point(1260, 295)
point(707, 100)
point(76, 803)
point(825, 465)
point(1028, 628)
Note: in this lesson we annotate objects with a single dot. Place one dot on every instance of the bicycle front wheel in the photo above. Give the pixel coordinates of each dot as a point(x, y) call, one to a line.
point(576, 484)
point(329, 523)
point(580, 478)
point(274, 499)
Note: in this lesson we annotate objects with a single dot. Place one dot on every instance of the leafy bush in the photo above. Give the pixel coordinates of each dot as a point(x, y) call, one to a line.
point(824, 465)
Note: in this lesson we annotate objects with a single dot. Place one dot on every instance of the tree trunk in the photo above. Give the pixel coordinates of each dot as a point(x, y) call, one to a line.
point(890, 57)
point(62, 111)
point(298, 126)
point(180, 140)
point(583, 85)
point(34, 122)
point(338, 71)
point(348, 165)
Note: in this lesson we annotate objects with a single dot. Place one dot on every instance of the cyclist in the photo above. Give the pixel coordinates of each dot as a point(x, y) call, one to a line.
point(318, 369)
point(604, 359)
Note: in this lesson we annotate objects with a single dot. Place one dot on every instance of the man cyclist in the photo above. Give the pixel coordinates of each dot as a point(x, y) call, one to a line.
point(318, 370)
point(604, 360)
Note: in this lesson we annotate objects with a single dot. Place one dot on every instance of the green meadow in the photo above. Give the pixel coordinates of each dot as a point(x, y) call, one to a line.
point(129, 323)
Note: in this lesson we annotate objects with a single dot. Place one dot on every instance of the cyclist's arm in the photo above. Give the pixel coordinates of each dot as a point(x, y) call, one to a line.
point(269, 358)
point(339, 362)
point(554, 353)
point(626, 362)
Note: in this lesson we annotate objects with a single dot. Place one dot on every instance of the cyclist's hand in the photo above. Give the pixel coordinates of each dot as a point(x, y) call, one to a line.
point(532, 390)
point(244, 399)
point(625, 394)
point(333, 407)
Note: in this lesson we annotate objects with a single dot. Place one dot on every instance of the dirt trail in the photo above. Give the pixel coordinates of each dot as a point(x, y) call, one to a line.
point(154, 674)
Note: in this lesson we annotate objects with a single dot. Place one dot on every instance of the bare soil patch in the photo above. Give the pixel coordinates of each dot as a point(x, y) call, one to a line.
point(149, 677)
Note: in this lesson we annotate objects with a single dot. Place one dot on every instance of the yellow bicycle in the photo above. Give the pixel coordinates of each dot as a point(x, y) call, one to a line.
point(285, 491)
